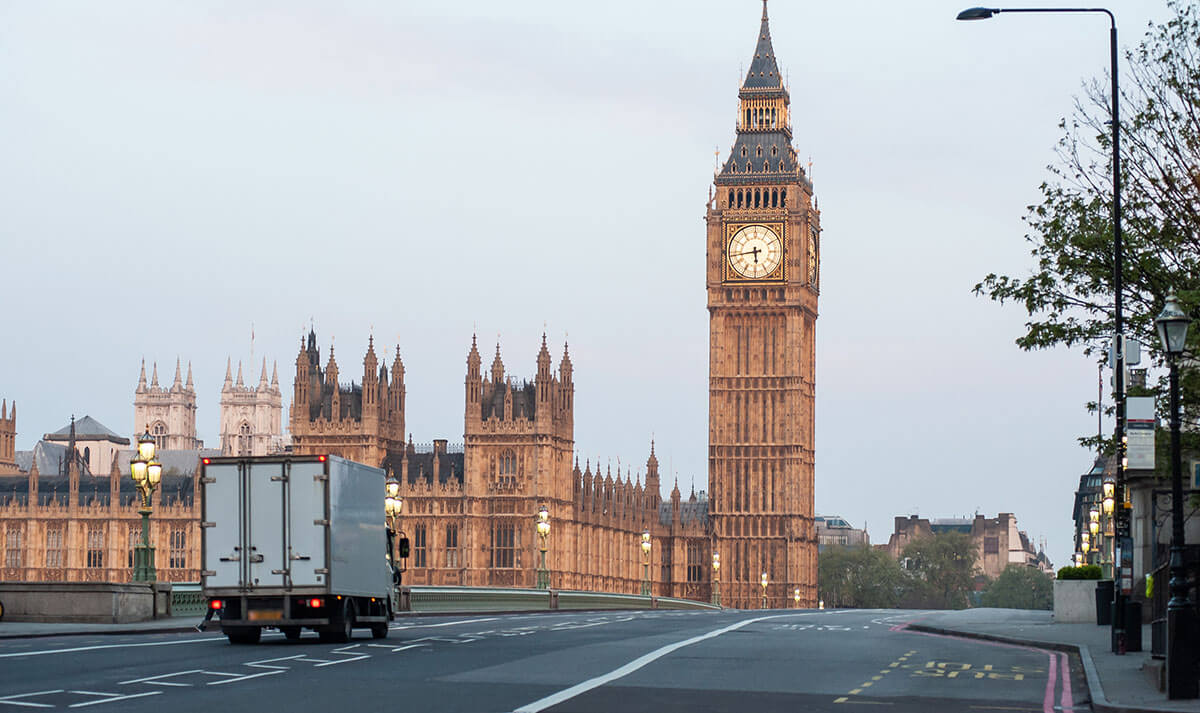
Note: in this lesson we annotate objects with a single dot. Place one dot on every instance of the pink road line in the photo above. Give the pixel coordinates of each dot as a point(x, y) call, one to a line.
point(1048, 700)
point(1067, 701)
point(1051, 669)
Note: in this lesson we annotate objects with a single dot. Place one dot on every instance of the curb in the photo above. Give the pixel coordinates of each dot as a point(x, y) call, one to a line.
point(1099, 702)
point(100, 632)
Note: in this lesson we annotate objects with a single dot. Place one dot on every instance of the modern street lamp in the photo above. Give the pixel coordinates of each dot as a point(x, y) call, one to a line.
point(645, 563)
point(1122, 523)
point(716, 594)
point(147, 474)
point(1172, 325)
point(392, 503)
point(543, 531)
point(763, 581)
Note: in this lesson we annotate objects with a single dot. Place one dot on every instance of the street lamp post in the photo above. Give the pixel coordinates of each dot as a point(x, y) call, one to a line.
point(1172, 326)
point(543, 531)
point(716, 593)
point(645, 563)
point(147, 474)
point(1122, 521)
point(392, 503)
point(796, 597)
point(763, 582)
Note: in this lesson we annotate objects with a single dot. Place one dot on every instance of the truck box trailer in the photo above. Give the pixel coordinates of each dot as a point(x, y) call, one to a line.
point(295, 542)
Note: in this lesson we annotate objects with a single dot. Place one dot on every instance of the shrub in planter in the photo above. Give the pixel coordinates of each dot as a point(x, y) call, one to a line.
point(1087, 571)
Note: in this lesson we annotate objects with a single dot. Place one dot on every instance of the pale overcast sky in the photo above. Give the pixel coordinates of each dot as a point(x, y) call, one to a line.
point(173, 173)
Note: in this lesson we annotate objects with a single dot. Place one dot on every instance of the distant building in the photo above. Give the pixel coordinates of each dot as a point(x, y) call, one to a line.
point(96, 443)
point(8, 438)
point(835, 530)
point(251, 417)
point(62, 521)
point(997, 540)
point(169, 414)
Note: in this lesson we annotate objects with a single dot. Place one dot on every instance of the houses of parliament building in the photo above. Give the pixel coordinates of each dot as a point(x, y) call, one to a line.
point(469, 509)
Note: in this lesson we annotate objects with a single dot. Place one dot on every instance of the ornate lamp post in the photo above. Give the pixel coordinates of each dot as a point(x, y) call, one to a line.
point(763, 581)
point(1085, 545)
point(796, 597)
point(543, 531)
point(392, 503)
point(1122, 528)
point(147, 474)
point(1172, 325)
point(716, 595)
point(645, 563)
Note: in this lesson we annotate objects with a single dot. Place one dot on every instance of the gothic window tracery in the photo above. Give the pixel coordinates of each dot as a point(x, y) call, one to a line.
point(159, 432)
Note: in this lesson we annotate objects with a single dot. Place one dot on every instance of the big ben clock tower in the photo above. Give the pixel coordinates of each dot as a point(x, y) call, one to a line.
point(763, 281)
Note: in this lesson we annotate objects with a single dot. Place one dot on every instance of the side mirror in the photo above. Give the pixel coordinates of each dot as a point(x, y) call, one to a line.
point(403, 548)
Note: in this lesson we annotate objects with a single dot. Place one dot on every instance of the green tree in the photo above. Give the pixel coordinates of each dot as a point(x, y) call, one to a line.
point(1069, 294)
point(944, 564)
point(1020, 587)
point(861, 577)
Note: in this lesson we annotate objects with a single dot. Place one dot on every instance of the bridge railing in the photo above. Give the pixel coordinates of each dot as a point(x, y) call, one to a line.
point(429, 599)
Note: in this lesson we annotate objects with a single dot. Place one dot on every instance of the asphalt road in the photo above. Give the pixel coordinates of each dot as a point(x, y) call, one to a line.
point(760, 661)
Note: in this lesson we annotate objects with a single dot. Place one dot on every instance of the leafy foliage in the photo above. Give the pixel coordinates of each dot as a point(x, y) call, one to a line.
point(860, 577)
point(944, 564)
point(1087, 571)
point(1069, 295)
point(1020, 587)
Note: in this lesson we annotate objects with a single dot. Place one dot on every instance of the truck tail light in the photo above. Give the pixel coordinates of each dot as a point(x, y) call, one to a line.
point(321, 459)
point(316, 603)
point(216, 604)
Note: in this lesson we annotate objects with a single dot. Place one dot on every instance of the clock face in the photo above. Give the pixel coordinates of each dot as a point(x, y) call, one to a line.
point(755, 251)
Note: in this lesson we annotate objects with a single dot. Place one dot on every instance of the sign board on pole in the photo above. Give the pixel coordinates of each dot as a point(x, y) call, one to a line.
point(1139, 425)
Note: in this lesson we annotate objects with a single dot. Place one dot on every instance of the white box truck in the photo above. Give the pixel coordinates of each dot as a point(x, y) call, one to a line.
point(295, 542)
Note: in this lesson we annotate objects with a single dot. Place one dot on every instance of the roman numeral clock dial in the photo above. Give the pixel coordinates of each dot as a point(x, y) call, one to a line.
point(755, 252)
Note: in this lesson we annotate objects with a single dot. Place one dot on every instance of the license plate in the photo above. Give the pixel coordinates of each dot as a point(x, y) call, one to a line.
point(265, 614)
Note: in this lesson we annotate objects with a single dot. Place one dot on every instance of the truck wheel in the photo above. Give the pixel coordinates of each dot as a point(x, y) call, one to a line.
point(341, 628)
point(291, 633)
point(244, 635)
point(379, 631)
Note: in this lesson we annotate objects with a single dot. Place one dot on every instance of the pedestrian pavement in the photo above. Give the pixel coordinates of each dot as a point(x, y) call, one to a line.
point(30, 629)
point(1116, 682)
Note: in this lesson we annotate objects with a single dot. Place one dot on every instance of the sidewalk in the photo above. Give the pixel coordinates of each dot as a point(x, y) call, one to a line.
point(26, 629)
point(1117, 683)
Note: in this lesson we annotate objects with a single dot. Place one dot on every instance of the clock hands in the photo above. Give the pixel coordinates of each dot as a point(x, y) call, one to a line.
point(753, 252)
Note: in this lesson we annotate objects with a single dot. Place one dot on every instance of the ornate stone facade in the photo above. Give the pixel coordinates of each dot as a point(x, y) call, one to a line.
point(8, 438)
point(170, 414)
point(362, 422)
point(763, 277)
point(469, 512)
point(59, 522)
point(251, 417)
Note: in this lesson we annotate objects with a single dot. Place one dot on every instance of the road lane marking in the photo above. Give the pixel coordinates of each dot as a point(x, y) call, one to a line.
point(10, 700)
point(1067, 700)
point(108, 697)
point(445, 623)
point(640, 662)
point(154, 680)
point(109, 646)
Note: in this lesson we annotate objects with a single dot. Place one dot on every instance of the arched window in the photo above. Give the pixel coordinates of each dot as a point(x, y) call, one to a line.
point(766, 166)
point(774, 198)
point(757, 198)
point(740, 197)
point(743, 151)
point(506, 469)
point(159, 432)
point(730, 203)
point(87, 456)
point(783, 196)
point(758, 151)
point(244, 440)
point(749, 168)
